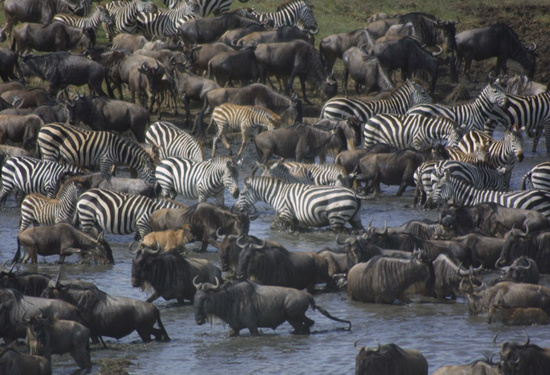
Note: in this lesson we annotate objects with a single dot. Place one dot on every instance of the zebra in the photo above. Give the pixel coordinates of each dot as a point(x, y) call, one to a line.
point(240, 117)
point(502, 153)
point(530, 112)
point(37, 208)
point(481, 153)
point(124, 16)
point(292, 13)
point(118, 213)
point(453, 188)
point(414, 131)
point(321, 174)
point(166, 22)
point(538, 177)
point(283, 171)
point(198, 180)
point(87, 148)
point(400, 101)
point(474, 115)
point(101, 14)
point(168, 140)
point(30, 175)
point(310, 206)
point(206, 7)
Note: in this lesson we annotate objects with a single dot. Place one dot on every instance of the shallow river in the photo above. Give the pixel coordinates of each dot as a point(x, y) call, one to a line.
point(443, 332)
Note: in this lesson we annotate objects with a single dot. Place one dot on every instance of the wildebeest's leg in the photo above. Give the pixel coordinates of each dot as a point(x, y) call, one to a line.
point(303, 84)
point(153, 297)
point(345, 81)
point(67, 252)
point(82, 357)
point(235, 332)
point(401, 189)
point(185, 101)
point(300, 324)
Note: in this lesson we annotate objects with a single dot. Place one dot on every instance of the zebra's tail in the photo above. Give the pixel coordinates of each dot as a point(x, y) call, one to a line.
point(524, 180)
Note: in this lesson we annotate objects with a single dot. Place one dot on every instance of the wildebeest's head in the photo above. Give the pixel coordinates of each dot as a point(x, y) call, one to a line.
point(39, 334)
point(203, 299)
point(524, 358)
point(142, 267)
point(248, 252)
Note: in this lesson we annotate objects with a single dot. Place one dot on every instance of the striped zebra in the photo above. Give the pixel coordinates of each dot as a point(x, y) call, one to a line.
point(292, 13)
point(118, 213)
point(36, 208)
point(414, 131)
point(481, 153)
point(322, 174)
point(124, 15)
point(243, 118)
point(87, 148)
point(169, 141)
point(502, 153)
point(166, 22)
point(400, 101)
point(30, 175)
point(283, 171)
point(474, 115)
point(198, 180)
point(101, 14)
point(453, 188)
point(538, 177)
point(310, 206)
point(531, 113)
point(205, 7)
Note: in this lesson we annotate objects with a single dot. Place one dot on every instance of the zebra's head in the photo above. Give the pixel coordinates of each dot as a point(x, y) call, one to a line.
point(231, 178)
point(417, 94)
point(105, 16)
point(495, 95)
point(442, 190)
point(513, 141)
point(247, 198)
point(305, 18)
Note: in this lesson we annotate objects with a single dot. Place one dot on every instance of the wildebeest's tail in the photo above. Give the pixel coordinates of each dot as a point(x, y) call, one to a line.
point(18, 252)
point(326, 313)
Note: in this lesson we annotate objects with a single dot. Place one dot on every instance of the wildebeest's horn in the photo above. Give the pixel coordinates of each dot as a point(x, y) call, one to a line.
point(218, 234)
point(131, 247)
point(154, 252)
point(254, 246)
point(208, 286)
point(57, 284)
point(355, 345)
point(242, 246)
point(460, 272)
point(13, 266)
point(195, 284)
point(497, 263)
point(435, 54)
point(385, 228)
point(527, 340)
point(533, 47)
point(495, 340)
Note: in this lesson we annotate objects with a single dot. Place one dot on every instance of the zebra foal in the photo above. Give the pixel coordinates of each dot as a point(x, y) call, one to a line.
point(241, 118)
point(101, 14)
point(168, 140)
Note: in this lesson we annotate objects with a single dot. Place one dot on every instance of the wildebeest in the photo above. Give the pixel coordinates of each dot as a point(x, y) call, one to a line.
point(390, 359)
point(291, 59)
point(497, 40)
point(20, 129)
point(207, 222)
point(232, 245)
point(8, 64)
point(448, 275)
point(121, 184)
point(230, 37)
point(168, 240)
point(300, 142)
point(234, 65)
point(365, 70)
point(129, 42)
point(28, 283)
point(62, 239)
point(275, 265)
point(52, 37)
point(284, 33)
point(519, 85)
point(492, 219)
point(245, 304)
point(534, 245)
point(333, 46)
point(27, 98)
point(481, 297)
point(517, 316)
point(206, 30)
point(522, 270)
point(106, 114)
point(47, 336)
point(61, 69)
point(477, 367)
point(109, 315)
point(170, 275)
point(199, 55)
point(383, 280)
point(524, 358)
point(15, 363)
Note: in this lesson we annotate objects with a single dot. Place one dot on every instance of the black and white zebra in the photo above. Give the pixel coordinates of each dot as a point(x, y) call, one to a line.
point(101, 14)
point(166, 22)
point(531, 113)
point(310, 206)
point(289, 174)
point(88, 148)
point(406, 96)
point(118, 213)
point(36, 208)
point(198, 180)
point(30, 175)
point(502, 153)
point(206, 7)
point(481, 153)
point(124, 16)
point(453, 188)
point(170, 141)
point(243, 118)
point(323, 174)
point(474, 115)
point(538, 177)
point(414, 131)
point(292, 13)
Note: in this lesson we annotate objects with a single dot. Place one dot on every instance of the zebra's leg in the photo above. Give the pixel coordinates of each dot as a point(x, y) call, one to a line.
point(538, 134)
point(226, 143)
point(245, 134)
point(547, 136)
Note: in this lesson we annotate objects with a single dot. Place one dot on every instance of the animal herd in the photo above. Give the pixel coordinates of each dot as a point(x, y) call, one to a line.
point(64, 175)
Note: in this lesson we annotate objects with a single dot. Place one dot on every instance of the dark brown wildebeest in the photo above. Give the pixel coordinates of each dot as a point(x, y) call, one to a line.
point(284, 33)
point(28, 283)
point(390, 359)
point(232, 245)
point(27, 98)
point(383, 280)
point(291, 59)
point(207, 221)
point(300, 142)
point(522, 270)
point(61, 239)
point(448, 276)
point(365, 71)
point(333, 46)
point(170, 274)
point(53, 37)
point(15, 363)
point(109, 315)
point(230, 37)
point(8, 64)
point(524, 358)
point(47, 336)
point(199, 55)
point(478, 367)
point(485, 250)
point(20, 129)
point(535, 246)
point(206, 30)
point(517, 316)
point(129, 42)
point(234, 65)
point(245, 304)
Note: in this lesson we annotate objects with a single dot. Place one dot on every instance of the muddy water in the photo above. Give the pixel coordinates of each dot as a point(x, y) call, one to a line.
point(443, 332)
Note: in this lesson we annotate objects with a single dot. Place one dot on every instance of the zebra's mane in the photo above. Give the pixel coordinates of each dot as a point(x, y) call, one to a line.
point(289, 3)
point(66, 185)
